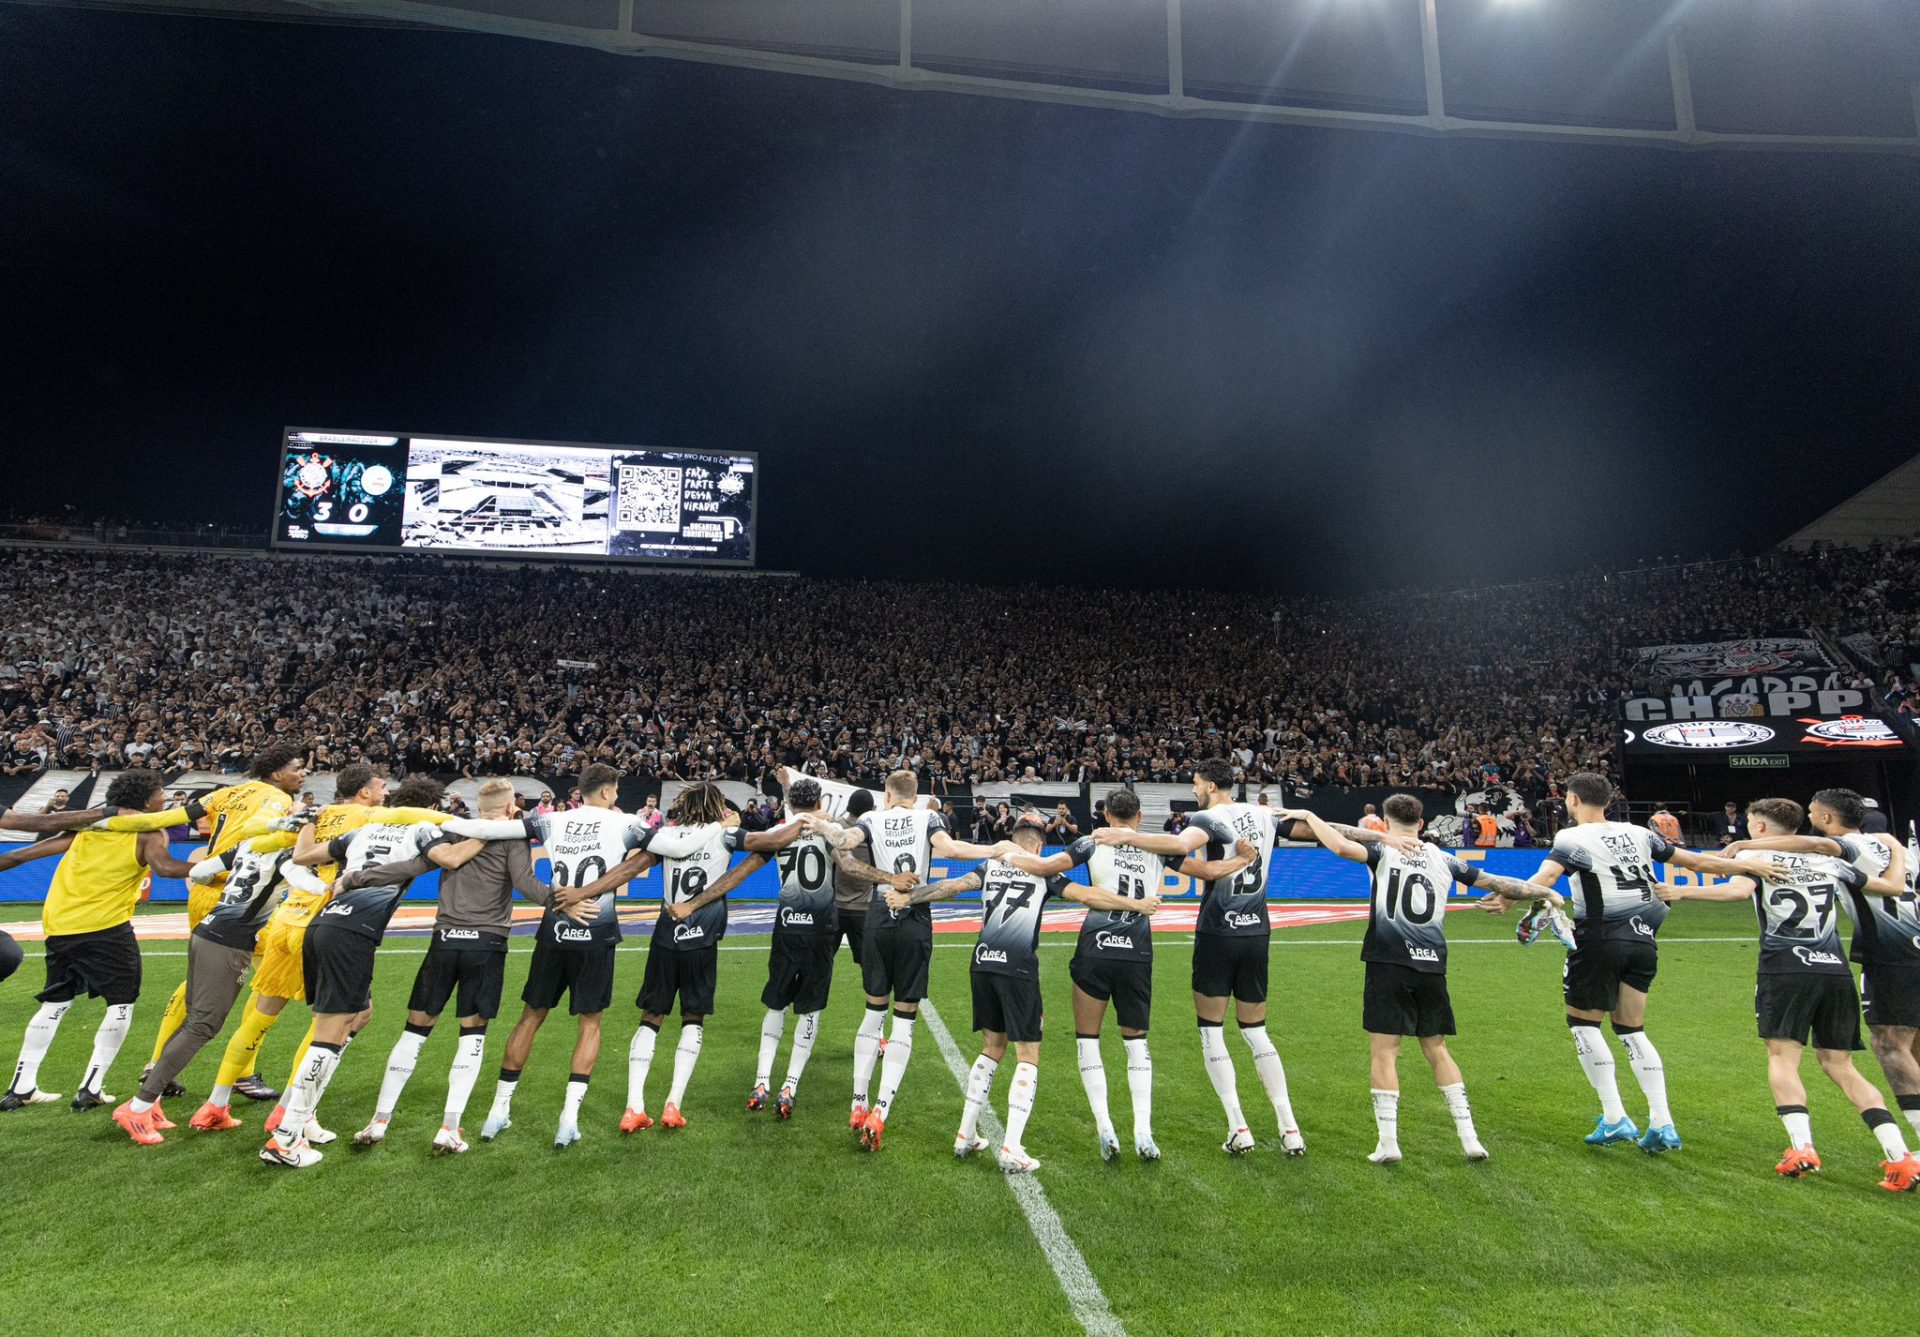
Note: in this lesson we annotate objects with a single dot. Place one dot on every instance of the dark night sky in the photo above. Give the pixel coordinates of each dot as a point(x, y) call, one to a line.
point(970, 337)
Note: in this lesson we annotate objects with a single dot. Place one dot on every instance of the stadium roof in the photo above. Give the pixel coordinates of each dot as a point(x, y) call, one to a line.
point(1838, 75)
point(1887, 509)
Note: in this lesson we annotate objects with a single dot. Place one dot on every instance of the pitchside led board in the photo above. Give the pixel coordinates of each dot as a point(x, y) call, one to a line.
point(372, 491)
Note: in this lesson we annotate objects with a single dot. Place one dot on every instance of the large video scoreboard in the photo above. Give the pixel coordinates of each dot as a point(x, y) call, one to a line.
point(372, 491)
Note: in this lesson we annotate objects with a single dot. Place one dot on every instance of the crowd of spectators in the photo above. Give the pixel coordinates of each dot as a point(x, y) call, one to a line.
point(193, 661)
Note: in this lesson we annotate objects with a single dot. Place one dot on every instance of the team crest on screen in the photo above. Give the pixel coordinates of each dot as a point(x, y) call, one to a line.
point(1708, 735)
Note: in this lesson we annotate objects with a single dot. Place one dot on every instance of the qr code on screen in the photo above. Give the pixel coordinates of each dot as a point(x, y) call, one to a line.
point(649, 499)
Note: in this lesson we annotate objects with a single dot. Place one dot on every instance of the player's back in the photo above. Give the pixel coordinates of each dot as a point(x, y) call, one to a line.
point(902, 842)
point(1610, 868)
point(1236, 905)
point(806, 887)
point(1407, 912)
point(367, 909)
point(1124, 871)
point(707, 854)
point(1798, 908)
point(97, 883)
point(236, 807)
point(249, 898)
point(1886, 929)
point(1011, 906)
point(582, 844)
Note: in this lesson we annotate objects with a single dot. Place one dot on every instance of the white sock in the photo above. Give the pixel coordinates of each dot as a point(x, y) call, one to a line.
point(503, 1097)
point(1273, 1074)
point(772, 1027)
point(34, 1046)
point(1597, 1061)
point(979, 1085)
point(1386, 1120)
point(576, 1092)
point(316, 1069)
point(1213, 1049)
point(1140, 1084)
point(1026, 1077)
point(400, 1065)
point(1888, 1131)
point(1093, 1076)
point(1913, 1117)
point(142, 1106)
point(685, 1055)
point(222, 1096)
point(465, 1071)
point(804, 1032)
point(1456, 1098)
point(639, 1060)
point(1644, 1059)
point(866, 1048)
point(894, 1066)
point(1799, 1125)
point(106, 1044)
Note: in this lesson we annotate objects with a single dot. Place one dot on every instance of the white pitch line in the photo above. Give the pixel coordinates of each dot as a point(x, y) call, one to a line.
point(1089, 1302)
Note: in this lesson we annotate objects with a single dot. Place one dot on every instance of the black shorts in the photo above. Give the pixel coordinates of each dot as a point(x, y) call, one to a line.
point(1891, 995)
point(1597, 968)
point(337, 967)
point(853, 927)
point(478, 975)
point(1400, 1000)
point(896, 965)
point(1226, 967)
point(104, 964)
point(1128, 984)
point(1007, 1005)
point(1792, 1007)
point(584, 975)
point(800, 971)
point(688, 974)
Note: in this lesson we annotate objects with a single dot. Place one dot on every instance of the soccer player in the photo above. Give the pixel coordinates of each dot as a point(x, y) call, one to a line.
point(274, 779)
point(1405, 951)
point(1804, 989)
point(1616, 913)
point(279, 976)
point(806, 937)
point(851, 892)
point(1231, 939)
point(468, 953)
point(899, 946)
point(338, 958)
point(1614, 956)
point(90, 945)
point(683, 959)
point(1006, 976)
point(1886, 933)
point(219, 954)
point(1113, 960)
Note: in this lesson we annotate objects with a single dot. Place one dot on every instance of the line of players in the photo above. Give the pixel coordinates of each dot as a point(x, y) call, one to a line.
point(1799, 884)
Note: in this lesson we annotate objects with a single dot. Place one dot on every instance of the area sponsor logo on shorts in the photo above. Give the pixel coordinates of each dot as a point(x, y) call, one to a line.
point(688, 932)
point(1641, 927)
point(798, 919)
point(1103, 940)
point(571, 932)
point(1423, 954)
point(983, 954)
point(338, 908)
point(1808, 956)
point(1708, 735)
point(1242, 919)
point(460, 935)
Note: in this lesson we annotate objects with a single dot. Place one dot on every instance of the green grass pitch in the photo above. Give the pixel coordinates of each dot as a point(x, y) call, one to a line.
point(742, 1223)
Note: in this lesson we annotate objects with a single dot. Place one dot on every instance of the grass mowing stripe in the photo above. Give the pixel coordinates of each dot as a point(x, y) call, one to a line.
point(1063, 1255)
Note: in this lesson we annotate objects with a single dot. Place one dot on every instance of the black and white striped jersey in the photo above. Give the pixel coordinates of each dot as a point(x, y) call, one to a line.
point(1610, 869)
